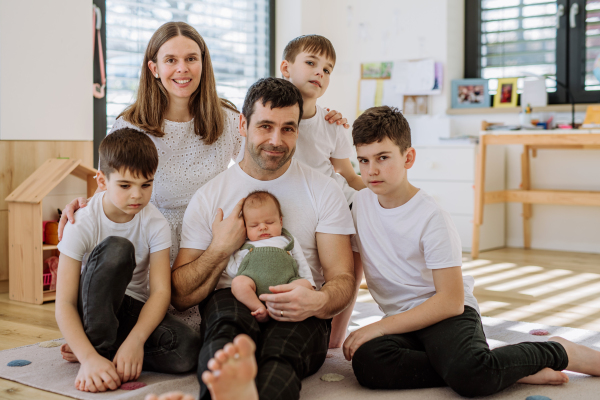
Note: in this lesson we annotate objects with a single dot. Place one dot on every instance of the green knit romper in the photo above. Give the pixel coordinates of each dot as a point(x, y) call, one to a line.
point(269, 266)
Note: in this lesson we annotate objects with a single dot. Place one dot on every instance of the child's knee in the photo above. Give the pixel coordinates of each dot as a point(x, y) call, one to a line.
point(241, 284)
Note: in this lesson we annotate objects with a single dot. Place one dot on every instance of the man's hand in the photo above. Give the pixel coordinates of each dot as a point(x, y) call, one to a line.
point(97, 374)
point(360, 337)
point(229, 234)
point(68, 214)
point(296, 302)
point(334, 116)
point(129, 360)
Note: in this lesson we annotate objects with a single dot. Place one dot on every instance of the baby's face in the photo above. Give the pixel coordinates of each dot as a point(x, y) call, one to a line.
point(262, 222)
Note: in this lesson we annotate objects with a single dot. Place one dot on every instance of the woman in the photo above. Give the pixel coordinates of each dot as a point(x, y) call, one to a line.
point(195, 131)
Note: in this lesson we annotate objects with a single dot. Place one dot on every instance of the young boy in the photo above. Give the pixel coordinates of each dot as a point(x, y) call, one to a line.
point(271, 256)
point(112, 325)
point(308, 62)
point(431, 334)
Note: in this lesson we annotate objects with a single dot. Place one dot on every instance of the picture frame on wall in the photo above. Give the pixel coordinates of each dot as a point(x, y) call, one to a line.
point(506, 95)
point(470, 93)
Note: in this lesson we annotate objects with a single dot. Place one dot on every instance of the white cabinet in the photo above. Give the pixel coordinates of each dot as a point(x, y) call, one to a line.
point(447, 172)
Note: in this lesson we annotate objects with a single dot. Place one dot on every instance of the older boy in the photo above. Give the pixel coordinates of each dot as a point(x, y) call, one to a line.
point(308, 62)
point(113, 327)
point(431, 334)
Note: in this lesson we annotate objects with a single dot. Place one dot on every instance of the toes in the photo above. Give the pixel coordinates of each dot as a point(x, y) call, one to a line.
point(230, 350)
point(208, 378)
point(245, 345)
point(214, 365)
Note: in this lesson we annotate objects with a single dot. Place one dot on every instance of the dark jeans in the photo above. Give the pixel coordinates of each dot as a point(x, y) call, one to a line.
point(108, 315)
point(452, 353)
point(286, 352)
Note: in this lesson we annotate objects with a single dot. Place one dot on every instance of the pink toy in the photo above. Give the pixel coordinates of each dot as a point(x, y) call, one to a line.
point(539, 332)
point(53, 267)
point(132, 385)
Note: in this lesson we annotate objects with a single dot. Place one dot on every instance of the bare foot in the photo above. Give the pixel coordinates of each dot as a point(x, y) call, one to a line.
point(170, 396)
point(232, 371)
point(547, 376)
point(261, 314)
point(68, 354)
point(581, 358)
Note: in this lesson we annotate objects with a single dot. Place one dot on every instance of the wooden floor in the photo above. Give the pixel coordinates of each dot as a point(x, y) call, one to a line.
point(549, 287)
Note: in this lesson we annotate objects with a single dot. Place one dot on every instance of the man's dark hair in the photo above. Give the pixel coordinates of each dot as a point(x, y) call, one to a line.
point(279, 92)
point(130, 150)
point(258, 198)
point(377, 123)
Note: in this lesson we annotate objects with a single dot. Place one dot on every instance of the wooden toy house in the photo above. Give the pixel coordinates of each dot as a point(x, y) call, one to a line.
point(25, 242)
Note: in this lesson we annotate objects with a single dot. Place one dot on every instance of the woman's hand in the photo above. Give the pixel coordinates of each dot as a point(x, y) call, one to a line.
point(360, 337)
point(334, 116)
point(68, 214)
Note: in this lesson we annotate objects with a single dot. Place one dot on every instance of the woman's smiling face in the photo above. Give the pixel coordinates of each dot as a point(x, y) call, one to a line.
point(179, 66)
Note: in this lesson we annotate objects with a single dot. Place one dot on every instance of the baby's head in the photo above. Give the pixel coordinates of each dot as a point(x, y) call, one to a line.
point(262, 215)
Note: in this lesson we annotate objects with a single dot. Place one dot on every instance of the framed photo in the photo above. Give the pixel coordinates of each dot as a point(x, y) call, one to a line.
point(470, 93)
point(506, 95)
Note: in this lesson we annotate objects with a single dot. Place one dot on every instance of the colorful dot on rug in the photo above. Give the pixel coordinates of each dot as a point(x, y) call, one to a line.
point(332, 377)
point(18, 363)
point(539, 332)
point(538, 397)
point(49, 344)
point(132, 385)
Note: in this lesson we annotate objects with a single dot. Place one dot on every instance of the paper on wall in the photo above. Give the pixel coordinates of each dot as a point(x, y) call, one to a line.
point(414, 77)
point(391, 97)
point(368, 87)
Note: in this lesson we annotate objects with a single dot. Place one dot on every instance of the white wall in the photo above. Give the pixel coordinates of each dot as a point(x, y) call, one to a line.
point(46, 70)
point(384, 30)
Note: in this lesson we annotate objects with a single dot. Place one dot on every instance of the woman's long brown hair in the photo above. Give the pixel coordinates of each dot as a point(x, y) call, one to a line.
point(148, 110)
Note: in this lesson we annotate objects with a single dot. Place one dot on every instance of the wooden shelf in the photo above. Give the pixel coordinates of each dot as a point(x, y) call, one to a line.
point(49, 295)
point(49, 247)
point(517, 110)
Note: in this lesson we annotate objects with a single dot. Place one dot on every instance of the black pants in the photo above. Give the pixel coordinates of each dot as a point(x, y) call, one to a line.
point(452, 353)
point(286, 352)
point(108, 315)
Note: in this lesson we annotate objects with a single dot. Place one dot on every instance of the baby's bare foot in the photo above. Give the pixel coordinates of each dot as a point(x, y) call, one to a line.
point(232, 371)
point(547, 376)
point(261, 315)
point(68, 354)
point(581, 358)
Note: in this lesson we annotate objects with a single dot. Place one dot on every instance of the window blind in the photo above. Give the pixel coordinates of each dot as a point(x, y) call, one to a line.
point(236, 33)
point(518, 39)
point(592, 43)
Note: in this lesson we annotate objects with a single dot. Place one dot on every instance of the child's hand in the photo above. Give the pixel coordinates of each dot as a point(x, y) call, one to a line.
point(334, 116)
point(360, 337)
point(261, 314)
point(97, 375)
point(129, 360)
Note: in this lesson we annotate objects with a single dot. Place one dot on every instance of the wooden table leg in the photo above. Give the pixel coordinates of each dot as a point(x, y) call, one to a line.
point(479, 192)
point(526, 185)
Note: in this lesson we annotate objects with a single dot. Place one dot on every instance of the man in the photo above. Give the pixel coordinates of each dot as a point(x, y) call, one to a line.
point(293, 344)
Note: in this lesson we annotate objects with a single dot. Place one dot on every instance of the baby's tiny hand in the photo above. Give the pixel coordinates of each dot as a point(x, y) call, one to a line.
point(261, 314)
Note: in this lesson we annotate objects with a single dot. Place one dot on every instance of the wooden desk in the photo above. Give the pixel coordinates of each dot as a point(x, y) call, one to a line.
point(531, 141)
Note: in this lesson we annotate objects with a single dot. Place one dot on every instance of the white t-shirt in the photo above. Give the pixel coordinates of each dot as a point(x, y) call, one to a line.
point(280, 242)
point(318, 141)
point(310, 203)
point(148, 231)
point(399, 248)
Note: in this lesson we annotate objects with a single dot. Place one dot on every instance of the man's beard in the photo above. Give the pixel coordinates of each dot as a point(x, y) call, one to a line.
point(266, 162)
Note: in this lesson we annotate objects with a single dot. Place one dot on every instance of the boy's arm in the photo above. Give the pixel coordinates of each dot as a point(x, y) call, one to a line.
point(340, 322)
point(343, 167)
point(96, 372)
point(130, 356)
point(447, 302)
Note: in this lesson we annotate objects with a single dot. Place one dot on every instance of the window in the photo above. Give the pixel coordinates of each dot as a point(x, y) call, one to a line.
point(237, 34)
point(556, 39)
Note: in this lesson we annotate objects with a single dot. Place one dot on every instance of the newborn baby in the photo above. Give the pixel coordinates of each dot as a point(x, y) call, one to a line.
point(271, 256)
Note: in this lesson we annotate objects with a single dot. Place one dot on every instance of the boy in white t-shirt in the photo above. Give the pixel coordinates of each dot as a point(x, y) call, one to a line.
point(308, 62)
point(271, 256)
point(431, 334)
point(116, 250)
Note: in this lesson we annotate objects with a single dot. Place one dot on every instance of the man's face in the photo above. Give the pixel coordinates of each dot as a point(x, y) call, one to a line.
point(271, 135)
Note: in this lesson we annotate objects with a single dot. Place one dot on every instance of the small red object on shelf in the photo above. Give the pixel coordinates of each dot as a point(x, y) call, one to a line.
point(47, 279)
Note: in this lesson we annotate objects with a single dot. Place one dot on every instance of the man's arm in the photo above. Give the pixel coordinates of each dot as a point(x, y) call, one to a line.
point(300, 303)
point(343, 166)
point(196, 272)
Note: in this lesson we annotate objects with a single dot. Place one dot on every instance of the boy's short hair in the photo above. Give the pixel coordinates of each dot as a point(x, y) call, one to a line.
point(377, 123)
point(313, 44)
point(258, 198)
point(130, 150)
point(279, 92)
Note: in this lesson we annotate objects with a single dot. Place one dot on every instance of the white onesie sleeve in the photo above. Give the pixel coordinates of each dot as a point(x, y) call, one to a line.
point(303, 267)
